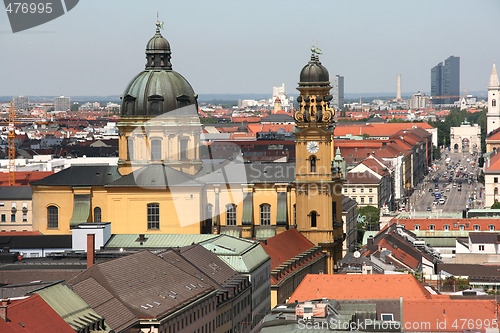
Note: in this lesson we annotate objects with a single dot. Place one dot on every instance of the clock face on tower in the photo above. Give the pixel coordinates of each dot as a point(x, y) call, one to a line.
point(313, 147)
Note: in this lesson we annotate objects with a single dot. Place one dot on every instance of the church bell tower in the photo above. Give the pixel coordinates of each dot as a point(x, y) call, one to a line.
point(493, 115)
point(317, 178)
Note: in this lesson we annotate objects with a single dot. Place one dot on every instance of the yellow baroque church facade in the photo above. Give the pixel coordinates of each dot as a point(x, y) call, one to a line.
point(162, 186)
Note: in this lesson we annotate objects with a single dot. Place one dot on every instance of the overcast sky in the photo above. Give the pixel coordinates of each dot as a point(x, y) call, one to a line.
point(249, 46)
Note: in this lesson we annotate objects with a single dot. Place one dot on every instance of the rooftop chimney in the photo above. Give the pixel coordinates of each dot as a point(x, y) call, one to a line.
point(4, 303)
point(90, 249)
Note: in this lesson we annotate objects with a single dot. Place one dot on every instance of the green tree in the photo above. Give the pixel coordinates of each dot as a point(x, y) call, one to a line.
point(496, 205)
point(372, 217)
point(436, 153)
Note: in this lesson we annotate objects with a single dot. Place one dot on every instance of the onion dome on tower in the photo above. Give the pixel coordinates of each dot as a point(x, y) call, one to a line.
point(158, 89)
point(314, 87)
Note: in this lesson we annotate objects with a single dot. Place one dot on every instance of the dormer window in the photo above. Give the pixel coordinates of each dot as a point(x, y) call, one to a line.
point(182, 100)
point(128, 105)
point(156, 104)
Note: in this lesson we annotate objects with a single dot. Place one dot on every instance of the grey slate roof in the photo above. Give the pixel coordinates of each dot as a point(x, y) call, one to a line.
point(88, 175)
point(18, 242)
point(278, 118)
point(119, 289)
point(15, 193)
point(484, 237)
point(154, 176)
point(209, 263)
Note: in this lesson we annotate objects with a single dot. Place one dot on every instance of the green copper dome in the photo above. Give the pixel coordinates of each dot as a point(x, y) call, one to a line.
point(158, 89)
point(314, 71)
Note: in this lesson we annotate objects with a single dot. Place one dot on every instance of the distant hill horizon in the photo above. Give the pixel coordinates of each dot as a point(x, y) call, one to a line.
point(224, 98)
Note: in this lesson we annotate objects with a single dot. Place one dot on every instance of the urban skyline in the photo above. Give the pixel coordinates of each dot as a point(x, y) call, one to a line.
point(263, 47)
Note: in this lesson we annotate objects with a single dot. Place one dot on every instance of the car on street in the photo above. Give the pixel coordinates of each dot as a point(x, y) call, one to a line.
point(429, 208)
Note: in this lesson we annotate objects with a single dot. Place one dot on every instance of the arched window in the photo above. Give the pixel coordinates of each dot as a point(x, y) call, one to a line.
point(431, 226)
point(52, 217)
point(476, 227)
point(313, 163)
point(416, 227)
point(446, 227)
point(156, 150)
point(231, 214)
point(314, 219)
point(461, 227)
point(130, 149)
point(493, 102)
point(492, 227)
point(153, 216)
point(294, 214)
point(265, 214)
point(97, 214)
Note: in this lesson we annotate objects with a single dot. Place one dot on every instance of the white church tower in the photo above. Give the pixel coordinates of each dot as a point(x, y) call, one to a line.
point(493, 116)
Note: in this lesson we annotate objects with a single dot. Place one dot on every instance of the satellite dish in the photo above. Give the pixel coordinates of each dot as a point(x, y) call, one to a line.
point(356, 254)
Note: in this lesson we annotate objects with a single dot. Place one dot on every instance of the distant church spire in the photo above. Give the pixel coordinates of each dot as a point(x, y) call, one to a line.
point(494, 78)
point(493, 115)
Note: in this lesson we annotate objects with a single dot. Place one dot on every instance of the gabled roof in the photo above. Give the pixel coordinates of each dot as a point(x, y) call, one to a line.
point(376, 286)
point(493, 166)
point(71, 307)
point(366, 177)
point(242, 255)
point(139, 286)
point(285, 246)
point(33, 315)
point(209, 263)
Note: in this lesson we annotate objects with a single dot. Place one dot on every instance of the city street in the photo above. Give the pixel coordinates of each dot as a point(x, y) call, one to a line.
point(458, 194)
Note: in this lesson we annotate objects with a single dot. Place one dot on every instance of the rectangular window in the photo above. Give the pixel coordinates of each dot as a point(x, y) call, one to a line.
point(14, 205)
point(156, 150)
point(25, 217)
point(4, 218)
point(370, 200)
point(362, 199)
point(370, 190)
point(265, 214)
point(495, 180)
point(481, 247)
point(362, 190)
point(353, 190)
point(184, 149)
point(231, 214)
point(12, 217)
point(153, 216)
point(2, 204)
point(25, 205)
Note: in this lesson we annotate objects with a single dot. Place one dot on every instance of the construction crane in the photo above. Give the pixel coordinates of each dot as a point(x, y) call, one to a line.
point(12, 146)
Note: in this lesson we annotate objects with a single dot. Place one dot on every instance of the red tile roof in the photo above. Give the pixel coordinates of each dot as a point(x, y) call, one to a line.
point(285, 246)
point(452, 315)
point(23, 178)
point(468, 224)
point(33, 315)
point(494, 163)
point(494, 136)
point(343, 286)
point(376, 129)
